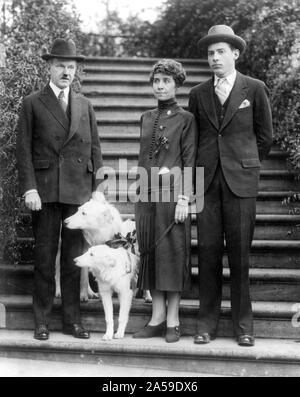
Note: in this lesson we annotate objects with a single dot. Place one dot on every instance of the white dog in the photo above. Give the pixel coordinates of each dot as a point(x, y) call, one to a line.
point(99, 221)
point(115, 269)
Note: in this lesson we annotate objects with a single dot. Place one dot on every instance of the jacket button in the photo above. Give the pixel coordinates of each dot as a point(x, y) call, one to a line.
point(220, 135)
point(79, 160)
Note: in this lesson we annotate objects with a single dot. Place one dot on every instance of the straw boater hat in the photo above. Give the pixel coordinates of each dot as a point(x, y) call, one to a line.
point(222, 33)
point(63, 49)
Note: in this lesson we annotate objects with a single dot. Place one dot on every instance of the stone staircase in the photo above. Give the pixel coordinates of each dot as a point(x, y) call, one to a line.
point(119, 91)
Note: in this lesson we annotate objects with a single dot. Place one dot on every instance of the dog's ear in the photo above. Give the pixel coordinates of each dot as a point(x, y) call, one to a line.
point(98, 196)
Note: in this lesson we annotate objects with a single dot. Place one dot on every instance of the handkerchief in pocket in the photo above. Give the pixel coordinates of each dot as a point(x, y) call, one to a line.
point(244, 104)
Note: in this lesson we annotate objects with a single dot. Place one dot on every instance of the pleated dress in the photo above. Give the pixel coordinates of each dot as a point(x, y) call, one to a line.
point(167, 142)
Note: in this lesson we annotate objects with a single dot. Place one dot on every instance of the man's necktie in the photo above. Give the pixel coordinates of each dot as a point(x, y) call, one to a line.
point(62, 101)
point(221, 90)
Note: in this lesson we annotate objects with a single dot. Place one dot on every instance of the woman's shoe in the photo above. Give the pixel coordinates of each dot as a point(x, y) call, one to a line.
point(149, 331)
point(173, 334)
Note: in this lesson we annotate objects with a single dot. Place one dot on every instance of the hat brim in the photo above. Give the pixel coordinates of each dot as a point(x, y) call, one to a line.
point(79, 58)
point(235, 40)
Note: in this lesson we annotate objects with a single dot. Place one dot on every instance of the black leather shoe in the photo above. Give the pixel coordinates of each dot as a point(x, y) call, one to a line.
point(149, 331)
point(246, 340)
point(41, 332)
point(172, 334)
point(201, 339)
point(76, 330)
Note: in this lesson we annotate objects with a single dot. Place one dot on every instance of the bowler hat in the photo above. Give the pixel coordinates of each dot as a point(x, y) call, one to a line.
point(222, 33)
point(63, 49)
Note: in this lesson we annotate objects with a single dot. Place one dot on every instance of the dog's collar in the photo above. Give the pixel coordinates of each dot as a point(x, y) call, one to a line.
point(125, 242)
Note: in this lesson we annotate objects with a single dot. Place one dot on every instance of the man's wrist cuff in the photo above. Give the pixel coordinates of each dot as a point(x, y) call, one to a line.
point(29, 191)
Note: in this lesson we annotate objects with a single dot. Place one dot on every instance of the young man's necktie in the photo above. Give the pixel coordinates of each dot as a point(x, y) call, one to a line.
point(221, 89)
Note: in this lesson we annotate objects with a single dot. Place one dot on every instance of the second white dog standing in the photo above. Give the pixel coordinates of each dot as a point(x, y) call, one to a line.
point(114, 270)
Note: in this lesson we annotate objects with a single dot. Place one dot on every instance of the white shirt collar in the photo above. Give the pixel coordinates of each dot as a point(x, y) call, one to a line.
point(230, 78)
point(57, 90)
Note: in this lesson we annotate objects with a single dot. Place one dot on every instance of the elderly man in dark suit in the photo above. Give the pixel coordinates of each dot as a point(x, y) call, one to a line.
point(58, 154)
point(234, 134)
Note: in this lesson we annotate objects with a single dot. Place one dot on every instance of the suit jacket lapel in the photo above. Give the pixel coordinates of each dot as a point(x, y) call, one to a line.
point(207, 98)
point(51, 102)
point(75, 103)
point(238, 94)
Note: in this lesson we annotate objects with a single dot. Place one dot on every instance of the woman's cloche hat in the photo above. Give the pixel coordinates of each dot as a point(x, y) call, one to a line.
point(222, 33)
point(63, 49)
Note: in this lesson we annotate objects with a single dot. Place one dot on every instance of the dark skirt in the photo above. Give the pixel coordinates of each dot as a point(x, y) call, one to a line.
point(165, 267)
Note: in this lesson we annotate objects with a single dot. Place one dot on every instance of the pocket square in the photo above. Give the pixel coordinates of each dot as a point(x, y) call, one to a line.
point(244, 104)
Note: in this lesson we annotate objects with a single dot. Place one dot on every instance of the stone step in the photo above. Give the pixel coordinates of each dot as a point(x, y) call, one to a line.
point(130, 62)
point(268, 226)
point(127, 141)
point(285, 229)
point(222, 357)
point(266, 284)
point(143, 75)
point(132, 80)
point(265, 204)
point(138, 69)
point(271, 319)
point(124, 113)
point(148, 101)
point(99, 98)
point(126, 137)
point(270, 180)
point(261, 256)
point(282, 254)
point(117, 130)
point(128, 145)
point(131, 174)
point(94, 88)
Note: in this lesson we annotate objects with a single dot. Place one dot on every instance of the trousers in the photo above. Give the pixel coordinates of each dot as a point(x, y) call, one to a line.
point(228, 217)
point(47, 225)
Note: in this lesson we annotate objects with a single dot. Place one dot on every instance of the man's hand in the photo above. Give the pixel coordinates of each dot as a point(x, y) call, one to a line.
point(33, 201)
point(181, 211)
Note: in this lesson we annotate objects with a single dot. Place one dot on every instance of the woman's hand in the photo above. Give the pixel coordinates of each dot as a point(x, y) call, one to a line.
point(181, 211)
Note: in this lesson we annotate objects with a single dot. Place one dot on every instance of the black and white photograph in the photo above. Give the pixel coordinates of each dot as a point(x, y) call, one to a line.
point(149, 191)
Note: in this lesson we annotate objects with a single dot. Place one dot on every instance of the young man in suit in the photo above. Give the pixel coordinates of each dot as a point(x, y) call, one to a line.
point(58, 155)
point(234, 134)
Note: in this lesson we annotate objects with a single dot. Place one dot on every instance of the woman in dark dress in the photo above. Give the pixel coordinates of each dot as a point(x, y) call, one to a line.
point(167, 146)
